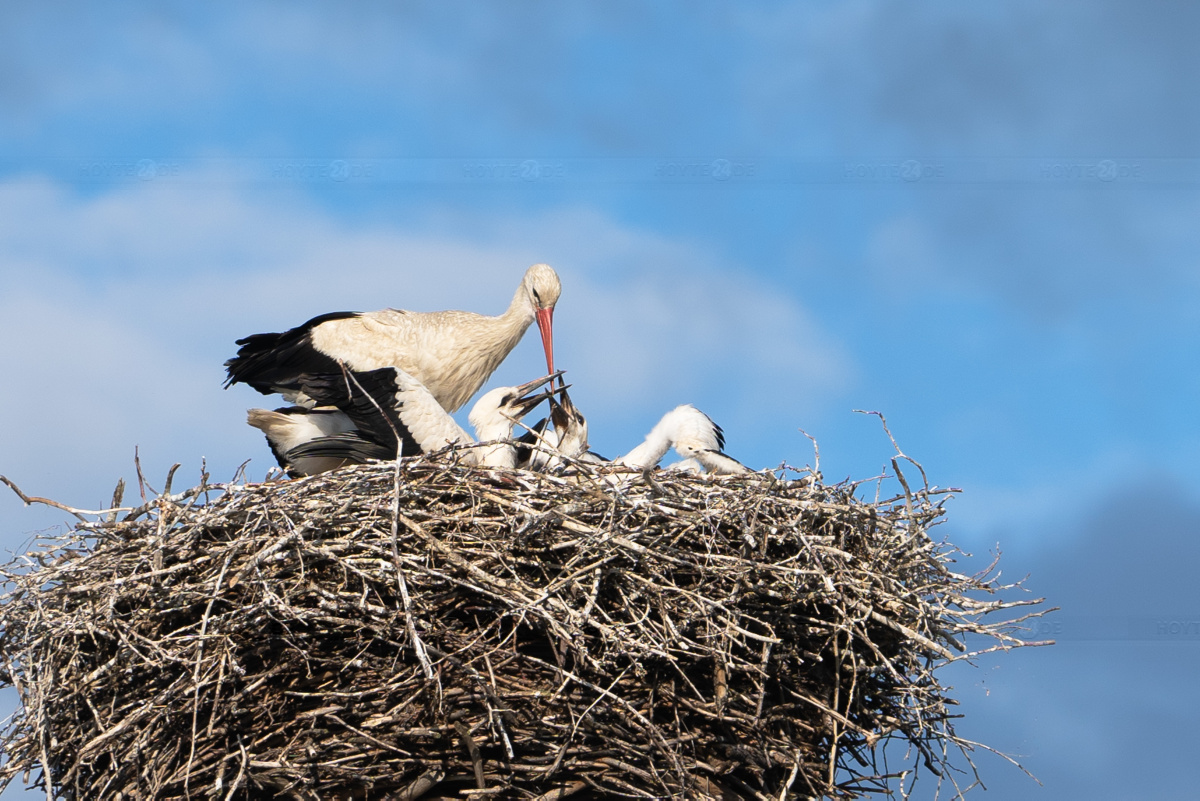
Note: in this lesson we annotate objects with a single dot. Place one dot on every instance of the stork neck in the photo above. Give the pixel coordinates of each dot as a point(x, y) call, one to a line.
point(493, 429)
point(520, 311)
point(515, 321)
point(650, 452)
point(504, 455)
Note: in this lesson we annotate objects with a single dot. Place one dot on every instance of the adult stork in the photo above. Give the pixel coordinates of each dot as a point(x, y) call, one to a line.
point(399, 415)
point(693, 434)
point(451, 352)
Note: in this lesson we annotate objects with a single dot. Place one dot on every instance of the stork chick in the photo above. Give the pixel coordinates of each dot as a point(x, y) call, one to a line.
point(694, 436)
point(568, 438)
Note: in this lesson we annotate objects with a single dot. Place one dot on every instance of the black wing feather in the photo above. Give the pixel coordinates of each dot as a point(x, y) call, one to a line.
point(350, 446)
point(369, 400)
point(526, 442)
point(279, 455)
point(274, 362)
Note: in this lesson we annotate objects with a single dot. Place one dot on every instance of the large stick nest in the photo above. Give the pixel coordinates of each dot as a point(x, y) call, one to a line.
point(442, 631)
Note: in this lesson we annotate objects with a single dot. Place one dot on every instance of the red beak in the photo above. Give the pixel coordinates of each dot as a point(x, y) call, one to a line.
point(545, 321)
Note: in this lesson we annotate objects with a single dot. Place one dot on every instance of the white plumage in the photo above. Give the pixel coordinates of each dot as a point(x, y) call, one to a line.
point(387, 412)
point(568, 437)
point(694, 436)
point(291, 426)
point(288, 429)
point(493, 417)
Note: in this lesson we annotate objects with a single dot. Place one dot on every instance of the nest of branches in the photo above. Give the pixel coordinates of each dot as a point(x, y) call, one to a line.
point(439, 631)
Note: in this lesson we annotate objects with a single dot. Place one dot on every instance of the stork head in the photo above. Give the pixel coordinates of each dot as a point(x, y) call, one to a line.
point(542, 286)
point(570, 424)
point(493, 415)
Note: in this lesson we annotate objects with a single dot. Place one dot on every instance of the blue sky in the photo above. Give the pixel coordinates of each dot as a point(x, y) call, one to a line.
point(982, 221)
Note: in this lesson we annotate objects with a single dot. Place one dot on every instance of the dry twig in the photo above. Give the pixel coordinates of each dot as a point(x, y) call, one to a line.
point(446, 631)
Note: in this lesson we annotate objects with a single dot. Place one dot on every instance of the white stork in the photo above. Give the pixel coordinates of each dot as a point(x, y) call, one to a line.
point(451, 352)
point(692, 433)
point(381, 406)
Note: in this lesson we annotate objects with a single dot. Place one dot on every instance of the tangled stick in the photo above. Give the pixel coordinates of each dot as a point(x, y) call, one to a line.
point(447, 631)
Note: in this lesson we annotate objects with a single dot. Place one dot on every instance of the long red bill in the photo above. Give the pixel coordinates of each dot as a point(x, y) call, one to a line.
point(545, 321)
